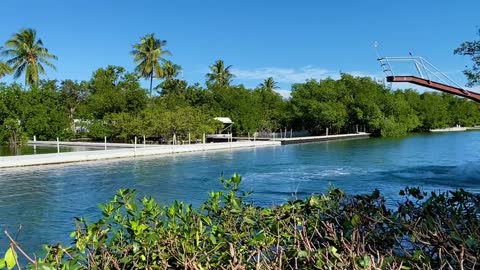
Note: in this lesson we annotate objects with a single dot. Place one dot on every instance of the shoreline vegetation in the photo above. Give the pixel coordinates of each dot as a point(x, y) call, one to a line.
point(113, 104)
point(327, 231)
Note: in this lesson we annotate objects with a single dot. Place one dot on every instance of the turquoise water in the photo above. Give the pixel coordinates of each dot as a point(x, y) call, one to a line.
point(44, 200)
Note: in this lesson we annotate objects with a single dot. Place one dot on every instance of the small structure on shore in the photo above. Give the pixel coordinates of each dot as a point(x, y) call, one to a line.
point(225, 133)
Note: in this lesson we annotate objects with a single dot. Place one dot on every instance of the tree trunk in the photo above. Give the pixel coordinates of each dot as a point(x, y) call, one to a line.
point(151, 84)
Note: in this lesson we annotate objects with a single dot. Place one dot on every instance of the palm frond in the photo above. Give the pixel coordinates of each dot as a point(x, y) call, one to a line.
point(19, 70)
point(27, 54)
point(4, 69)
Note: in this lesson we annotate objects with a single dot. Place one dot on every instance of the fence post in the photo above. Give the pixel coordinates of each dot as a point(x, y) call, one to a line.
point(326, 132)
point(58, 146)
point(34, 144)
point(105, 142)
point(135, 147)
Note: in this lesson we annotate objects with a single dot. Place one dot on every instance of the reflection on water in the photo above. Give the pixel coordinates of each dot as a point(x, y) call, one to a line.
point(44, 200)
point(6, 150)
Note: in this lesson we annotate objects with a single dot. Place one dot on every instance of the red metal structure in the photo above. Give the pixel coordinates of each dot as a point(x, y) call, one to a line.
point(436, 85)
point(426, 71)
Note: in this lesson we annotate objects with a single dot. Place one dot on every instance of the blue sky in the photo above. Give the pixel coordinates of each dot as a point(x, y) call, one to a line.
point(289, 40)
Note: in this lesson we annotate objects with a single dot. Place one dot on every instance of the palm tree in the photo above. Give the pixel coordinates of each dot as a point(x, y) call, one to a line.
point(220, 74)
point(148, 54)
point(28, 56)
point(4, 68)
point(171, 70)
point(269, 84)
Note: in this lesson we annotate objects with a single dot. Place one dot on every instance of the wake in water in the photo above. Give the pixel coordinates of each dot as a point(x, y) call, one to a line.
point(465, 176)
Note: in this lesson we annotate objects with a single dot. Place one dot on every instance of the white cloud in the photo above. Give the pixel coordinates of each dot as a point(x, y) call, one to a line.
point(293, 75)
point(283, 75)
point(284, 93)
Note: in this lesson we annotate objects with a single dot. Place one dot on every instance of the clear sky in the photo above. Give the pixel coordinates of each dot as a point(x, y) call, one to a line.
point(289, 40)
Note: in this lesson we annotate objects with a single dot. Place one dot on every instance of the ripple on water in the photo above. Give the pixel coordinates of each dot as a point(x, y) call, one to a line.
point(45, 200)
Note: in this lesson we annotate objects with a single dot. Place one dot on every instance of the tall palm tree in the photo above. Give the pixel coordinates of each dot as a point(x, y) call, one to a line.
point(147, 55)
point(171, 70)
point(220, 74)
point(269, 84)
point(28, 56)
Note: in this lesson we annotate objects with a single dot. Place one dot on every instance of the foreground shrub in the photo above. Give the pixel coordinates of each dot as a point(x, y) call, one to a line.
point(328, 231)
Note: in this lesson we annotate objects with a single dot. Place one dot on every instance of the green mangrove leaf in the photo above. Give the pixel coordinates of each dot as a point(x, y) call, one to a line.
point(10, 258)
point(44, 266)
point(248, 221)
point(355, 220)
point(302, 253)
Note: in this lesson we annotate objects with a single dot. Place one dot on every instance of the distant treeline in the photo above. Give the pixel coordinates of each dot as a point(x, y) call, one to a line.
point(113, 104)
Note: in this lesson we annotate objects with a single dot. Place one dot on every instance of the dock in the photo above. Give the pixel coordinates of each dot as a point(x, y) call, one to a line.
point(310, 139)
point(127, 152)
point(105, 151)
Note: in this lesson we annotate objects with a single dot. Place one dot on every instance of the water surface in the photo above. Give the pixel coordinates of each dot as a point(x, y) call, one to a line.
point(6, 150)
point(44, 200)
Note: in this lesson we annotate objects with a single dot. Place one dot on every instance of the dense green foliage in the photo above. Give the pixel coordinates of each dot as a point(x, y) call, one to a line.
point(350, 101)
point(113, 104)
point(328, 231)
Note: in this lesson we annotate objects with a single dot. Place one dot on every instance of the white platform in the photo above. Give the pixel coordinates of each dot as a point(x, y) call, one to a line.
point(449, 129)
point(140, 150)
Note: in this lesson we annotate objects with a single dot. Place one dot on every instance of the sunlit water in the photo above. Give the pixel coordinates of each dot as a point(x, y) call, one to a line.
point(44, 200)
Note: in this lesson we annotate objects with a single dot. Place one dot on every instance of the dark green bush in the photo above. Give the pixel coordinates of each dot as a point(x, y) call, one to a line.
point(328, 231)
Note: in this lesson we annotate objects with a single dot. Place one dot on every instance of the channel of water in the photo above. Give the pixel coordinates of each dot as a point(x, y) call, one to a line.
point(45, 200)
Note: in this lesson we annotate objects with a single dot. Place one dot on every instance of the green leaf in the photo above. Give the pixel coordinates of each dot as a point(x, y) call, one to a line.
point(248, 221)
point(319, 263)
point(44, 266)
point(363, 262)
point(471, 242)
point(213, 239)
point(10, 258)
point(355, 220)
point(302, 253)
point(2, 263)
